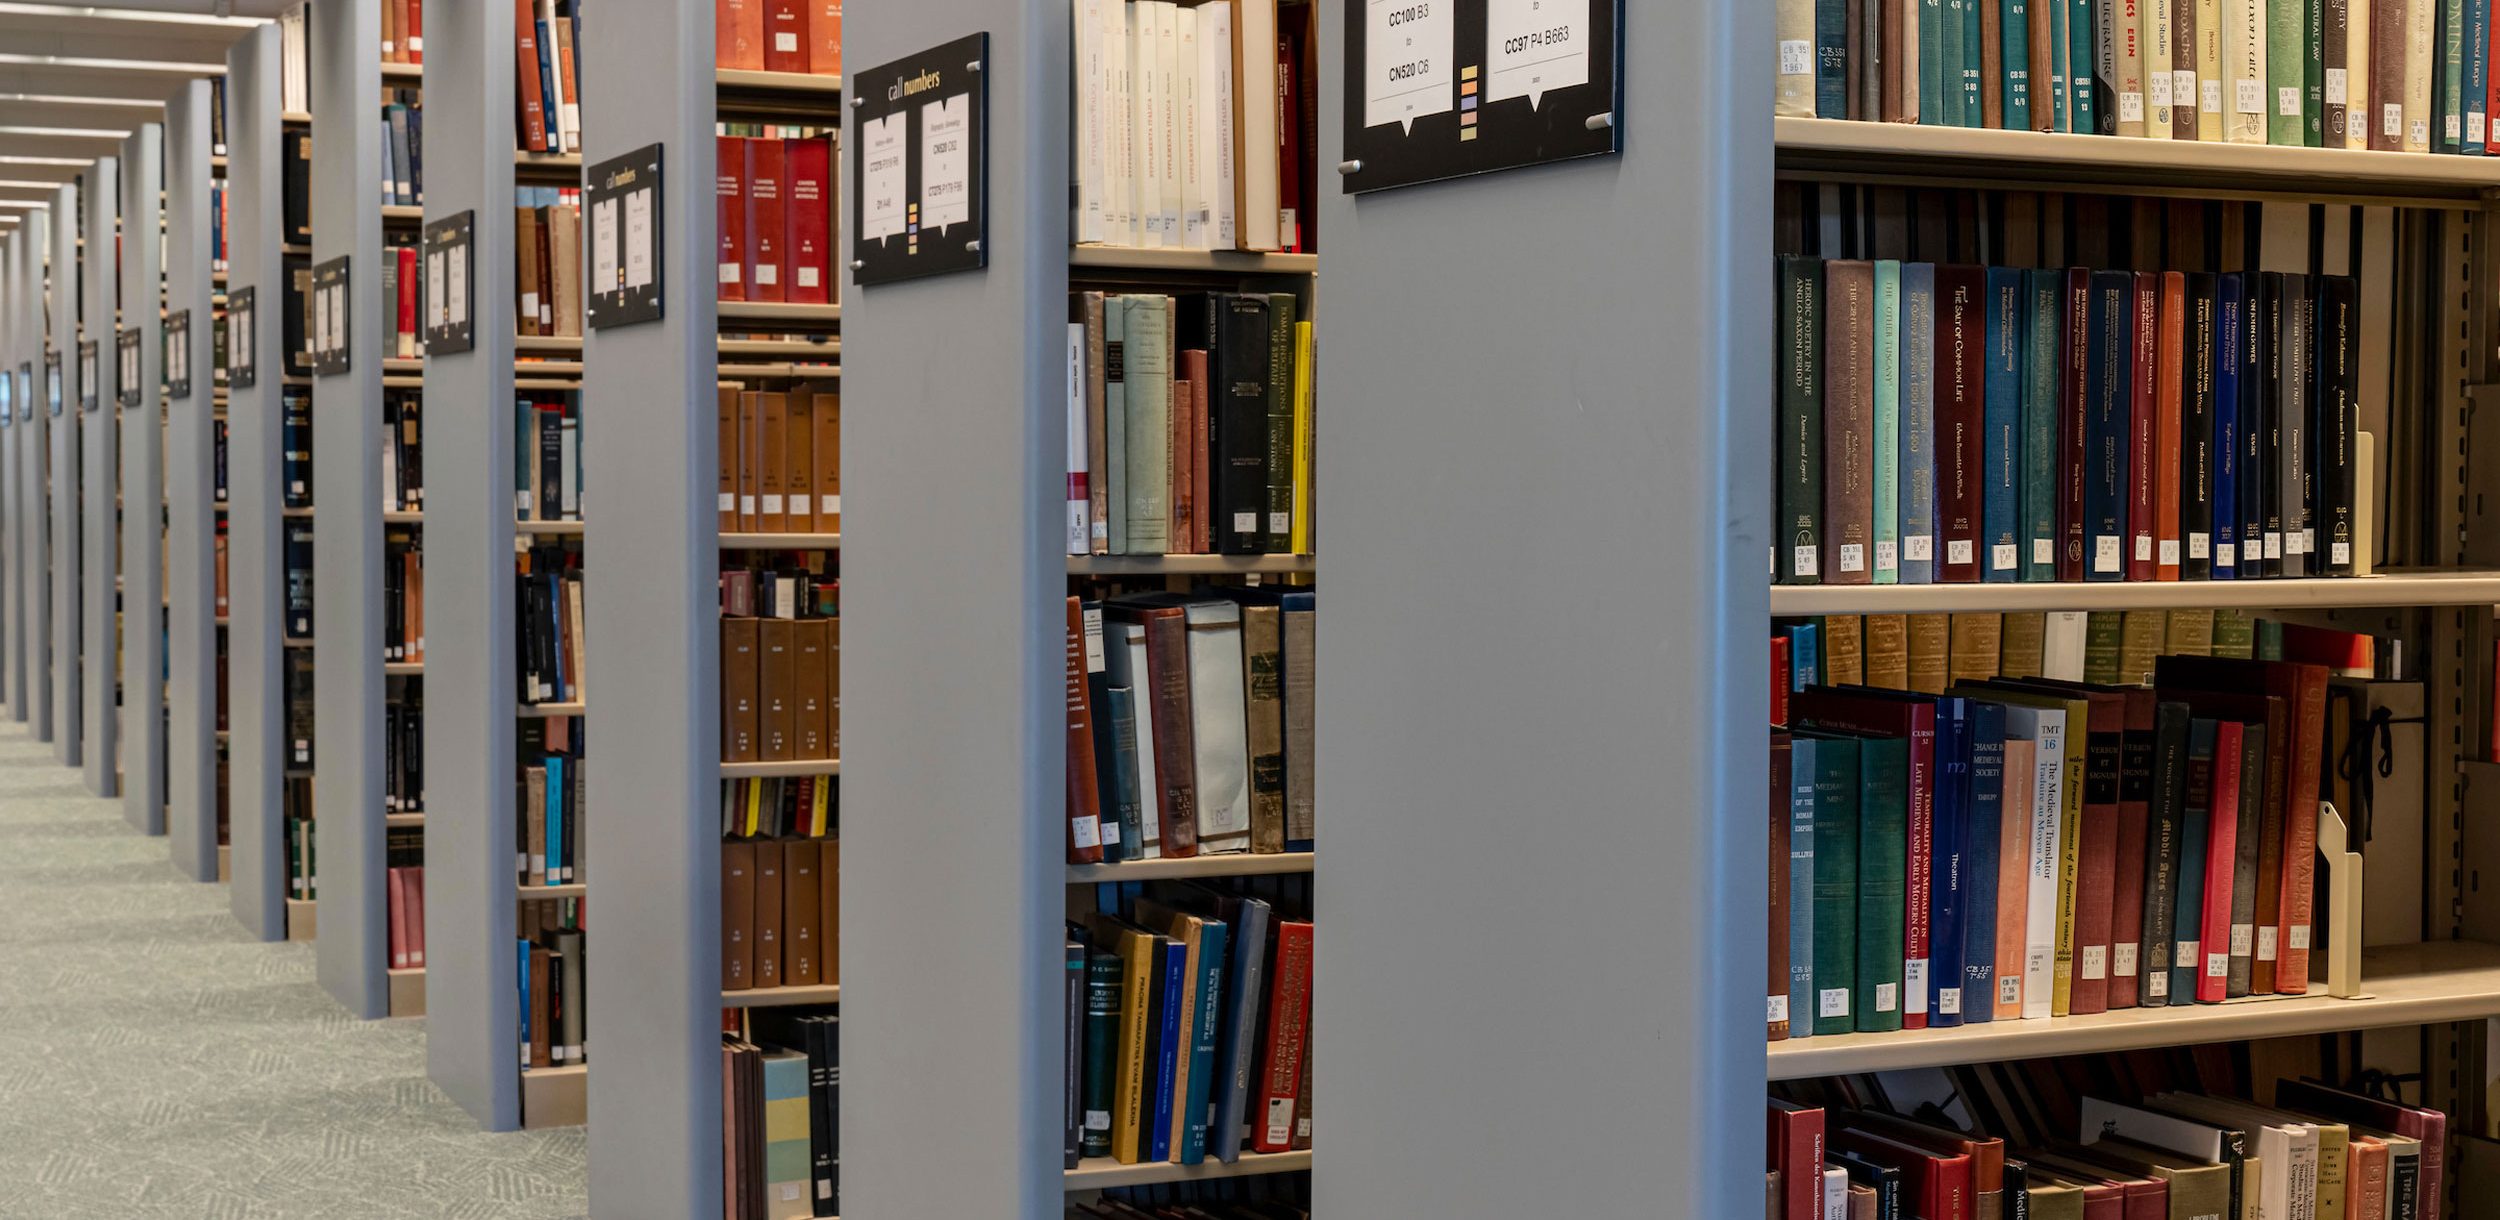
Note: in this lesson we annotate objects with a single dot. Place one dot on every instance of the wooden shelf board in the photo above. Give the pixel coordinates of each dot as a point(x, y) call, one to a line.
point(2401, 985)
point(547, 344)
point(294, 116)
point(790, 351)
point(552, 529)
point(301, 923)
point(403, 72)
point(781, 542)
point(1955, 153)
point(403, 213)
point(778, 371)
point(295, 512)
point(777, 997)
point(407, 992)
point(803, 766)
point(402, 669)
point(1243, 262)
point(796, 83)
point(1235, 865)
point(1189, 565)
point(544, 369)
point(1101, 1173)
point(225, 863)
point(547, 164)
point(778, 311)
point(296, 643)
point(555, 1096)
point(403, 366)
point(2424, 587)
point(541, 893)
point(404, 821)
point(544, 711)
point(394, 517)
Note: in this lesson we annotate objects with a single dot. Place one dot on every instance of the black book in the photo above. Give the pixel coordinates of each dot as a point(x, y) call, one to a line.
point(550, 466)
point(296, 188)
point(218, 428)
point(1796, 546)
point(1238, 374)
point(2196, 430)
point(295, 318)
point(573, 1020)
point(2293, 368)
point(2257, 402)
point(1071, 1050)
point(525, 646)
point(299, 580)
point(2339, 374)
point(299, 709)
point(295, 438)
point(2165, 829)
point(1884, 1180)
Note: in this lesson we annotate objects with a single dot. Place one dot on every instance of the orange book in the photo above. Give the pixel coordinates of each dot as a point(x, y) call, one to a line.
point(824, 37)
point(412, 33)
point(785, 35)
point(772, 516)
point(2170, 371)
point(827, 454)
point(392, 13)
point(776, 670)
point(738, 34)
point(768, 914)
point(1202, 492)
point(833, 690)
point(415, 584)
point(729, 437)
point(2013, 878)
point(798, 451)
point(525, 75)
point(1183, 529)
point(750, 461)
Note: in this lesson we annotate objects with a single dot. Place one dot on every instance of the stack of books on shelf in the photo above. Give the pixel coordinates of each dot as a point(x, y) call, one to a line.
point(403, 596)
point(403, 31)
point(1190, 426)
point(547, 456)
point(1192, 1004)
point(1950, 423)
point(404, 880)
point(403, 149)
point(299, 844)
point(780, 461)
point(545, 33)
point(775, 195)
point(550, 625)
point(547, 252)
point(550, 812)
point(780, 667)
point(403, 451)
point(2177, 1132)
point(299, 578)
point(2392, 75)
point(403, 748)
point(1927, 652)
point(781, 1075)
point(781, 900)
point(553, 990)
point(1195, 125)
point(796, 36)
point(1190, 724)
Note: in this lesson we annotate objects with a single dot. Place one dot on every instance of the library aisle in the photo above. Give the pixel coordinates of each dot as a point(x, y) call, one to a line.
point(157, 1061)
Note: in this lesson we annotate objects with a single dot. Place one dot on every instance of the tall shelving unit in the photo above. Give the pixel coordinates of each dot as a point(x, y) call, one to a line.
point(193, 410)
point(98, 483)
point(24, 599)
point(63, 434)
point(139, 654)
point(403, 531)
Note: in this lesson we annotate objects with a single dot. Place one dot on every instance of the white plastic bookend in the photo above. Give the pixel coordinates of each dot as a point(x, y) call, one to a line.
point(2343, 904)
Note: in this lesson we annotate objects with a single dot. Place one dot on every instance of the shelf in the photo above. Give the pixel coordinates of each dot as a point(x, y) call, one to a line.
point(403, 366)
point(781, 542)
point(548, 164)
point(403, 669)
point(795, 84)
point(1235, 865)
point(779, 997)
point(778, 311)
point(777, 372)
point(302, 248)
point(295, 643)
point(1186, 565)
point(301, 923)
point(2420, 587)
point(541, 893)
point(294, 116)
point(295, 512)
point(403, 821)
point(403, 73)
point(393, 517)
point(550, 529)
point(790, 351)
point(546, 711)
point(1102, 1173)
point(802, 766)
point(407, 992)
point(545, 344)
point(2401, 985)
point(555, 1096)
point(1239, 262)
point(1894, 150)
point(403, 213)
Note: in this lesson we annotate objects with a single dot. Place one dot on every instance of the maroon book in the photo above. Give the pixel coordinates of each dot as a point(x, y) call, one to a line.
point(2143, 415)
point(1961, 360)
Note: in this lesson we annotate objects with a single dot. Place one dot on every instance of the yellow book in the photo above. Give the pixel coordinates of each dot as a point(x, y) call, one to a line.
point(1977, 642)
point(1302, 437)
point(1844, 654)
point(1887, 648)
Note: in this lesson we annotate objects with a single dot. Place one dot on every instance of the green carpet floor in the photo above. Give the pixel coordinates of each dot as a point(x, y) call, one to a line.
point(157, 1062)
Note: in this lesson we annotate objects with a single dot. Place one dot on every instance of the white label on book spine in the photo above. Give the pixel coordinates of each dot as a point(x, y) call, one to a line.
point(2122, 960)
point(2340, 553)
point(785, 41)
point(2217, 965)
point(2157, 984)
point(2308, 541)
point(1914, 984)
point(2227, 555)
point(1088, 832)
point(2105, 553)
point(1853, 557)
point(2200, 546)
point(1278, 523)
point(728, 502)
point(1806, 562)
point(2186, 951)
point(2267, 941)
point(2211, 100)
point(1949, 1001)
point(1832, 1002)
point(2183, 87)
point(1887, 556)
point(2003, 556)
point(2450, 126)
point(829, 504)
point(2095, 963)
point(2287, 101)
point(1918, 548)
point(2299, 937)
point(2393, 123)
point(2243, 940)
point(2421, 132)
point(2473, 126)
point(2130, 107)
point(1531, 46)
point(1408, 46)
point(2248, 96)
point(1796, 57)
point(772, 503)
point(767, 273)
point(1245, 523)
point(1280, 1119)
point(1957, 550)
point(2144, 548)
point(1887, 996)
point(2170, 552)
point(2044, 550)
point(2157, 88)
point(2274, 546)
point(2010, 989)
point(1779, 1012)
point(808, 278)
point(2335, 86)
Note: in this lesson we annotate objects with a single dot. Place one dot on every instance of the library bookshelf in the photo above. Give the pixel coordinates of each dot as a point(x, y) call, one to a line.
point(2416, 231)
point(194, 749)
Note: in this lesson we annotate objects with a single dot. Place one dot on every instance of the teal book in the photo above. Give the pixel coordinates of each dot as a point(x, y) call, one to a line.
point(1950, 40)
point(2054, 13)
point(1800, 544)
point(2083, 114)
point(1209, 1013)
point(1102, 1043)
point(2195, 831)
point(1974, 110)
point(2001, 425)
point(2287, 23)
point(2313, 73)
point(2045, 293)
point(2016, 57)
point(1887, 421)
point(1802, 763)
point(2450, 104)
point(1931, 69)
point(1835, 884)
point(1883, 843)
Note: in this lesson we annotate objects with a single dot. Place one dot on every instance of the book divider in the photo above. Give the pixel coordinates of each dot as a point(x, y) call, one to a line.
point(191, 740)
point(137, 650)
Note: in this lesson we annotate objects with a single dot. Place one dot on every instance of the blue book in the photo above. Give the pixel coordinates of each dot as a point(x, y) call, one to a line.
point(1209, 1016)
point(1948, 832)
point(2046, 291)
point(1805, 655)
point(554, 819)
point(2077, 38)
point(2477, 75)
point(1984, 839)
point(2054, 12)
point(2001, 421)
point(1169, 1062)
point(1887, 421)
point(1236, 1057)
point(1918, 423)
point(1800, 888)
point(1931, 69)
point(2016, 56)
point(2230, 315)
point(521, 962)
point(1974, 110)
point(547, 86)
point(2195, 831)
point(1950, 38)
point(2107, 410)
point(1831, 59)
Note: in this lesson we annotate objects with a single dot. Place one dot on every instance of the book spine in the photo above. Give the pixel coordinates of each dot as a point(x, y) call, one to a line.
point(2000, 556)
point(2391, 26)
point(2338, 329)
point(1918, 425)
point(2313, 73)
point(2285, 44)
point(2126, 34)
point(2016, 37)
point(2159, 123)
point(2300, 829)
point(1974, 57)
point(2167, 394)
point(2108, 410)
point(1931, 66)
point(2143, 381)
point(1945, 876)
point(1848, 420)
point(1949, 53)
point(2450, 88)
point(1991, 59)
point(1780, 930)
point(1897, 90)
point(2096, 869)
point(2196, 431)
point(1887, 373)
point(2083, 78)
point(2336, 41)
point(2244, 52)
point(1800, 813)
point(1960, 421)
point(2129, 865)
point(2049, 58)
point(1836, 793)
point(2184, 73)
point(1883, 814)
point(1917, 923)
point(2212, 84)
point(2260, 544)
point(2073, 427)
point(1984, 829)
point(1801, 425)
point(1831, 59)
point(2292, 372)
point(2477, 77)
point(2187, 950)
point(2421, 71)
point(2041, 331)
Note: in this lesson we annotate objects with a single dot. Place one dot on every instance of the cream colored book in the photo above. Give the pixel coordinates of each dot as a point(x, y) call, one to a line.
point(2210, 87)
point(2157, 77)
point(2421, 30)
point(2244, 62)
point(2127, 35)
point(2357, 117)
point(1794, 23)
point(1909, 59)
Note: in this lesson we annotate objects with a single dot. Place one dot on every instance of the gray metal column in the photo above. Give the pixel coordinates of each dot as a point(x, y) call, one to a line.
point(99, 483)
point(954, 579)
point(142, 730)
point(472, 1006)
point(24, 336)
point(34, 533)
point(1620, 373)
point(647, 390)
point(64, 433)
point(190, 490)
point(347, 535)
point(256, 610)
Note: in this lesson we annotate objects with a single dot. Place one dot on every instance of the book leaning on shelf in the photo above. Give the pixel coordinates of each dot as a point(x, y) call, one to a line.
point(2391, 75)
point(781, 1100)
point(549, 622)
point(546, 85)
point(547, 260)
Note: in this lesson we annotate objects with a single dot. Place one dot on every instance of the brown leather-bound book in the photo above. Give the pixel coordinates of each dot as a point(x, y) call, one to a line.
point(525, 267)
point(776, 690)
point(1201, 466)
point(798, 452)
point(1183, 495)
point(2389, 36)
point(1856, 53)
point(1263, 722)
point(768, 912)
point(833, 687)
point(564, 256)
point(2044, 79)
point(802, 903)
point(2170, 354)
point(729, 438)
point(738, 34)
point(1782, 752)
point(772, 515)
point(1084, 794)
point(750, 461)
point(1888, 33)
point(829, 913)
point(414, 582)
point(2184, 108)
point(740, 726)
point(1166, 701)
point(2022, 644)
point(1888, 651)
point(542, 1009)
point(1844, 650)
point(1849, 421)
point(1931, 637)
point(737, 915)
point(1976, 644)
point(525, 71)
point(1992, 64)
point(810, 640)
point(825, 416)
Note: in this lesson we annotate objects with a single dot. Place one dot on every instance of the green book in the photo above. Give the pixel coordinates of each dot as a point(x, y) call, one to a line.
point(1883, 845)
point(1102, 1043)
point(1798, 546)
point(1931, 69)
point(2103, 634)
point(1147, 356)
point(2269, 635)
point(2054, 71)
point(1836, 949)
point(2313, 74)
point(789, 1160)
point(1974, 109)
point(2448, 135)
point(1952, 51)
point(2235, 634)
point(2287, 37)
point(1887, 421)
point(2081, 68)
point(2039, 477)
point(2016, 56)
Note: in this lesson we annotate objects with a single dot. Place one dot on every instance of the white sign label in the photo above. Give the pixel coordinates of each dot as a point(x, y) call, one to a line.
point(881, 177)
point(945, 162)
point(1408, 46)
point(1531, 46)
point(638, 259)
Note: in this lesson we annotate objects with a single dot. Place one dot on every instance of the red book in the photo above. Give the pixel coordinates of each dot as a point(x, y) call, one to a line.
point(399, 917)
point(729, 197)
point(415, 881)
point(1084, 798)
point(766, 219)
point(2171, 361)
point(1894, 714)
point(1779, 679)
point(738, 34)
point(408, 324)
point(414, 33)
point(807, 250)
point(1795, 1146)
point(2140, 421)
point(2135, 803)
point(2222, 844)
point(1961, 351)
point(1288, 1035)
point(785, 35)
point(1937, 1187)
point(2073, 442)
point(525, 75)
point(824, 37)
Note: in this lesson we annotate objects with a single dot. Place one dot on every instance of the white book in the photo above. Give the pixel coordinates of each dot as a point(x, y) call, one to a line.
point(1215, 118)
point(2209, 82)
point(2061, 645)
point(1146, 109)
point(1080, 500)
point(1086, 220)
point(1189, 78)
point(1125, 665)
point(1793, 25)
point(2244, 63)
point(2421, 61)
point(1835, 1194)
point(1120, 153)
point(2357, 117)
point(2157, 74)
point(1909, 65)
point(2047, 727)
point(1216, 726)
point(1168, 130)
point(1254, 124)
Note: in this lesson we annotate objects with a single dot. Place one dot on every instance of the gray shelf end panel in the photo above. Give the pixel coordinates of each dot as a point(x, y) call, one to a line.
point(140, 538)
point(31, 529)
point(25, 354)
point(99, 467)
point(190, 489)
point(62, 432)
